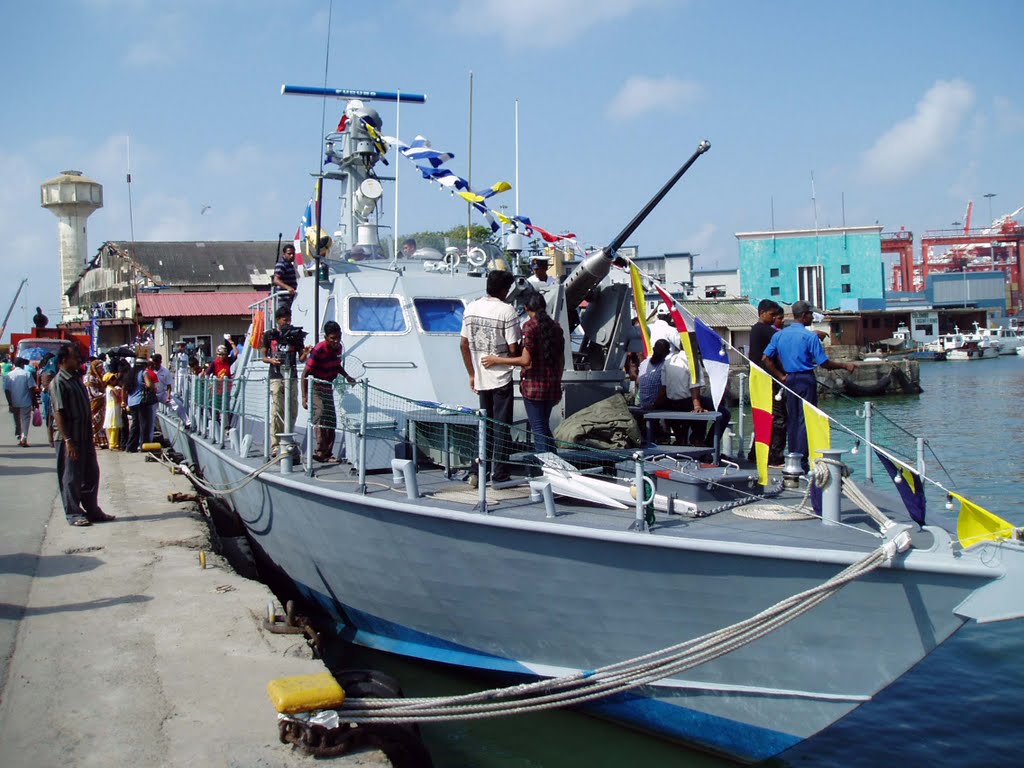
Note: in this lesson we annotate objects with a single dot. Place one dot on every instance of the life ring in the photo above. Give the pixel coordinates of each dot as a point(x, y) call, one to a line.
point(452, 258)
point(476, 257)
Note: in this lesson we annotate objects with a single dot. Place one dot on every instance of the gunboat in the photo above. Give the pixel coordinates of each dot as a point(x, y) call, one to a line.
point(777, 622)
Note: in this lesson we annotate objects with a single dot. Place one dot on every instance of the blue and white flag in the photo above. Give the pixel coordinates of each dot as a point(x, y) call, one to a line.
point(715, 354)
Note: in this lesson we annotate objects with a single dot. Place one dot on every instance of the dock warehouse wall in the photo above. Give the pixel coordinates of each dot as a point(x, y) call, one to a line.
point(847, 261)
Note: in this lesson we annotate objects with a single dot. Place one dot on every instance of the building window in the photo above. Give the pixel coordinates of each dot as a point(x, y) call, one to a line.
point(773, 272)
point(846, 288)
point(776, 292)
point(844, 269)
point(876, 322)
point(864, 322)
point(714, 291)
point(810, 285)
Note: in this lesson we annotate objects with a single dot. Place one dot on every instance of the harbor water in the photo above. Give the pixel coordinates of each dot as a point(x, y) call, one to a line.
point(960, 706)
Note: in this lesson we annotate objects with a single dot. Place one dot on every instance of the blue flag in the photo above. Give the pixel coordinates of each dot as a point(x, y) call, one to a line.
point(910, 487)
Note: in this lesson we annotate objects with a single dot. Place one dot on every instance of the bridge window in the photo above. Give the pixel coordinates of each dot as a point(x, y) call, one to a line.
point(376, 314)
point(439, 315)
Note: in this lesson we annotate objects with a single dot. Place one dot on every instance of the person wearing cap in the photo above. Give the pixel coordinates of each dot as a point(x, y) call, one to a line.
point(664, 328)
point(799, 351)
point(540, 276)
point(285, 277)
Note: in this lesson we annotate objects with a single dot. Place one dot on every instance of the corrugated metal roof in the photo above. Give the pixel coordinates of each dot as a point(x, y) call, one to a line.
point(208, 263)
point(734, 315)
point(198, 303)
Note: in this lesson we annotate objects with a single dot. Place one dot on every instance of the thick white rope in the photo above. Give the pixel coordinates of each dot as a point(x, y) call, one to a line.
point(581, 687)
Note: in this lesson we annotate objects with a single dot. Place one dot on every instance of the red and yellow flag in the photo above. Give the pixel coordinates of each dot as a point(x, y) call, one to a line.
point(640, 299)
point(761, 402)
point(684, 334)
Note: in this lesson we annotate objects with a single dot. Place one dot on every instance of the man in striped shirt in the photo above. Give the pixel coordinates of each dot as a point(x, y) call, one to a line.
point(285, 277)
point(324, 364)
point(77, 467)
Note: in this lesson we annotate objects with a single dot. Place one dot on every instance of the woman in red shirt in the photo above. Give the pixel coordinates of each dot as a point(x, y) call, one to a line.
point(542, 360)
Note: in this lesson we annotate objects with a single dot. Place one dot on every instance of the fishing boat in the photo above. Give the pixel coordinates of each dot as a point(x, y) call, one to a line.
point(960, 346)
point(1008, 339)
point(694, 602)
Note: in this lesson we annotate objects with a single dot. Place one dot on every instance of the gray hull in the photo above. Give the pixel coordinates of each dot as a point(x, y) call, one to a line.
point(540, 598)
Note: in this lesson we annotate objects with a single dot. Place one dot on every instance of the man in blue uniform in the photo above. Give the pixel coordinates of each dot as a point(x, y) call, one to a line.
point(799, 351)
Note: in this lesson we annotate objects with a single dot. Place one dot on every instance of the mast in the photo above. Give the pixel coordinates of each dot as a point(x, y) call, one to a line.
point(10, 309)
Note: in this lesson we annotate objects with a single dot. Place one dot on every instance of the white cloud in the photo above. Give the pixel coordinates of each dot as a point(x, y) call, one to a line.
point(919, 139)
point(542, 23)
point(640, 95)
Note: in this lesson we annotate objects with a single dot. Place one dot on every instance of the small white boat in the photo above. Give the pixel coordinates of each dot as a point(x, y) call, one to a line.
point(972, 350)
point(1008, 339)
point(1020, 350)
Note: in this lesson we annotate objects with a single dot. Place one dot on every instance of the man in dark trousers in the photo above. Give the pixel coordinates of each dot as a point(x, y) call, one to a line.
point(324, 365)
point(490, 326)
point(799, 350)
point(761, 332)
point(77, 467)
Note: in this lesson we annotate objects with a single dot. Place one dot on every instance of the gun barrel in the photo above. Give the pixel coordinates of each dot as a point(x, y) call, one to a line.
point(353, 93)
point(617, 243)
point(593, 269)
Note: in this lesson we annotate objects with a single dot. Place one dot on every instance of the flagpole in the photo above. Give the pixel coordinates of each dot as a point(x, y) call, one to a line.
point(517, 157)
point(469, 171)
point(398, 166)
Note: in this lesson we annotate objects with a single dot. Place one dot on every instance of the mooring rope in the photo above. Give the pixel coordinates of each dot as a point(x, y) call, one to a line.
point(584, 686)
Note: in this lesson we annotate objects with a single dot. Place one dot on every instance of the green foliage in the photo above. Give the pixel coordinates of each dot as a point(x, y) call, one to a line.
point(456, 236)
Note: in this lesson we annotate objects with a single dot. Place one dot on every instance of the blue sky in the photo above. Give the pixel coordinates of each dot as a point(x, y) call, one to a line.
point(904, 109)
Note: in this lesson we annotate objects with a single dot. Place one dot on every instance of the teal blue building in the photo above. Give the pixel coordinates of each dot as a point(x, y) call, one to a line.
point(822, 266)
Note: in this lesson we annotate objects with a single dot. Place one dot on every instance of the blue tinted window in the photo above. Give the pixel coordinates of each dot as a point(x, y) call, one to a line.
point(440, 315)
point(375, 314)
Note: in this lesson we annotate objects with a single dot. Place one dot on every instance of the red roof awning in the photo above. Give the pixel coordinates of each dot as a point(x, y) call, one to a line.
point(198, 303)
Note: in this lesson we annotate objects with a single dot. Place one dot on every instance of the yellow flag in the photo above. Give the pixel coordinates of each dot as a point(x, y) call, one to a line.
point(976, 524)
point(819, 436)
point(640, 299)
point(471, 197)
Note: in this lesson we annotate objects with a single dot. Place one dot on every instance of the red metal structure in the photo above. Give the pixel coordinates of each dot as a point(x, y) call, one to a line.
point(996, 247)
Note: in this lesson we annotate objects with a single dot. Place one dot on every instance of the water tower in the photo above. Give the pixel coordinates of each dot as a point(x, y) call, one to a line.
point(72, 198)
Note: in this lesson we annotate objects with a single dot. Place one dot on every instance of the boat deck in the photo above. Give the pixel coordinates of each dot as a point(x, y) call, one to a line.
point(755, 523)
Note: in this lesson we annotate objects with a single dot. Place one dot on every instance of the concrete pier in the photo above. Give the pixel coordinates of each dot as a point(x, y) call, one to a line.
point(116, 648)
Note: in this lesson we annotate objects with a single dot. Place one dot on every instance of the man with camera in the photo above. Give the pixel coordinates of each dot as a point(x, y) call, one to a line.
point(283, 349)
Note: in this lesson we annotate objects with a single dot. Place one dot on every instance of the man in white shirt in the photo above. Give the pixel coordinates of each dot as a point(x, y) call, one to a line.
point(540, 275)
point(680, 393)
point(664, 328)
point(20, 391)
point(490, 326)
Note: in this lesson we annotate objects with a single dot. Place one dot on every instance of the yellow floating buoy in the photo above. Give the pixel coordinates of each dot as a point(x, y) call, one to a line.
point(202, 560)
point(151, 447)
point(304, 693)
